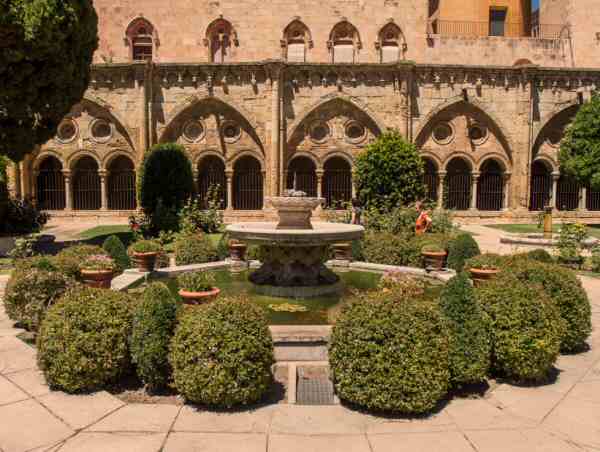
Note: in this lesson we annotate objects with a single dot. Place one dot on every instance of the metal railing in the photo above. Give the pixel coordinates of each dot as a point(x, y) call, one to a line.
point(508, 30)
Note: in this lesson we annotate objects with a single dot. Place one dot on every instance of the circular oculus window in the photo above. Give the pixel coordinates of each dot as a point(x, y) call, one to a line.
point(319, 132)
point(67, 131)
point(101, 130)
point(478, 134)
point(193, 131)
point(355, 131)
point(231, 132)
point(443, 133)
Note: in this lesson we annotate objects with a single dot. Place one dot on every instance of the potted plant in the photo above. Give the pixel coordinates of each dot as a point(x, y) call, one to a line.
point(97, 271)
point(237, 250)
point(342, 251)
point(197, 288)
point(484, 267)
point(144, 254)
point(434, 256)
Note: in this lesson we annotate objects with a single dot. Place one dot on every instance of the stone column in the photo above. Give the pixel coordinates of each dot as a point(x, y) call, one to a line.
point(229, 176)
point(23, 180)
point(17, 180)
point(275, 170)
point(103, 190)
point(474, 186)
point(506, 205)
point(320, 183)
point(264, 181)
point(34, 187)
point(195, 174)
point(68, 192)
point(555, 177)
point(440, 189)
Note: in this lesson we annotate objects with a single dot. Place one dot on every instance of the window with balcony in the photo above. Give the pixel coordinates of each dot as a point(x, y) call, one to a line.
point(498, 22)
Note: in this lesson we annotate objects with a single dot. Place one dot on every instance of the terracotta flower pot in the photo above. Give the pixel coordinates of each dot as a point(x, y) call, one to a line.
point(145, 262)
point(479, 275)
point(434, 259)
point(342, 251)
point(197, 298)
point(97, 278)
point(237, 251)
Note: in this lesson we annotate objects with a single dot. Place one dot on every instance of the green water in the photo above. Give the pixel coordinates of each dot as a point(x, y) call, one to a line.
point(292, 311)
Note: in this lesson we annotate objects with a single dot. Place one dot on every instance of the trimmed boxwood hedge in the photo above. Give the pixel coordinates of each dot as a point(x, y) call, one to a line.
point(461, 248)
point(194, 249)
point(69, 259)
point(392, 249)
point(526, 328)
point(222, 353)
point(153, 327)
point(566, 292)
point(115, 248)
point(390, 354)
point(469, 331)
point(82, 343)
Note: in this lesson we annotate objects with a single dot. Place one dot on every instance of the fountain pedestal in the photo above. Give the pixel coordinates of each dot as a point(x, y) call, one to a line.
point(293, 251)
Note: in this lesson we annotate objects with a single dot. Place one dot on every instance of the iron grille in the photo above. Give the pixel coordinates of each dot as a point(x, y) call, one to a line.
point(212, 174)
point(593, 200)
point(121, 185)
point(541, 187)
point(51, 185)
point(247, 185)
point(490, 191)
point(431, 181)
point(301, 172)
point(337, 183)
point(86, 185)
point(567, 196)
point(458, 186)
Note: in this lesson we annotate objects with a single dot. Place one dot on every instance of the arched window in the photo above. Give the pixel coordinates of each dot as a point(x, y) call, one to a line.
point(390, 44)
point(458, 185)
point(541, 186)
point(567, 193)
point(141, 38)
point(337, 182)
point(121, 184)
point(51, 185)
point(211, 173)
point(86, 185)
point(430, 179)
point(490, 189)
point(302, 176)
point(344, 43)
point(296, 42)
point(220, 37)
point(247, 184)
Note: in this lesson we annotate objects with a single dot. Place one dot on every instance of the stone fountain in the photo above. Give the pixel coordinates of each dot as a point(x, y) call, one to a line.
point(294, 250)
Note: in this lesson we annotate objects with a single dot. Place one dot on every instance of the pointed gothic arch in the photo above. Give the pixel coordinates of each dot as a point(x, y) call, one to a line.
point(296, 41)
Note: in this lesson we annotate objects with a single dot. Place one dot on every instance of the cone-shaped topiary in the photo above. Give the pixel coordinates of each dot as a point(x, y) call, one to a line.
point(153, 327)
point(390, 353)
point(222, 353)
point(526, 328)
point(117, 251)
point(461, 248)
point(567, 294)
point(469, 331)
point(82, 344)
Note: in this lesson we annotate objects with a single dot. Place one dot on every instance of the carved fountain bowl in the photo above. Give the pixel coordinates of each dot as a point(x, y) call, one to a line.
point(294, 211)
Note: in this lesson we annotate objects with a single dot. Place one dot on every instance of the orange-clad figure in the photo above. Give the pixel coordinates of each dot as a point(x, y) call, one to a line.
point(424, 221)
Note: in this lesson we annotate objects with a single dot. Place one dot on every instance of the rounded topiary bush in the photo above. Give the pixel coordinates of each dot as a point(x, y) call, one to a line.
point(540, 255)
point(69, 259)
point(194, 249)
point(82, 343)
point(469, 331)
point(222, 353)
point(392, 249)
point(153, 327)
point(115, 248)
point(461, 248)
point(526, 328)
point(31, 291)
point(390, 353)
point(567, 294)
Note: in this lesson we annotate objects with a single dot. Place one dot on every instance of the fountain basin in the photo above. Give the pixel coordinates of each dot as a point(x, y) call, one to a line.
point(295, 211)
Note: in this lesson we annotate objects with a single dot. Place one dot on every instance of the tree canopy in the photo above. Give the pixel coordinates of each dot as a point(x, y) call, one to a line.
point(46, 50)
point(389, 172)
point(579, 154)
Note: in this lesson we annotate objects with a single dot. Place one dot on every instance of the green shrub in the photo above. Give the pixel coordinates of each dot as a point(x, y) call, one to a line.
point(145, 246)
point(116, 249)
point(461, 248)
point(486, 261)
point(390, 353)
point(526, 328)
point(153, 327)
point(222, 354)
point(540, 255)
point(390, 249)
point(165, 162)
point(469, 331)
point(30, 292)
point(82, 343)
point(389, 172)
point(68, 260)
point(39, 262)
point(222, 249)
point(194, 249)
point(196, 281)
point(567, 294)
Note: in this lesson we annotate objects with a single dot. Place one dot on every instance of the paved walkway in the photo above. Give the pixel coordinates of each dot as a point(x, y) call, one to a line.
point(67, 229)
point(564, 416)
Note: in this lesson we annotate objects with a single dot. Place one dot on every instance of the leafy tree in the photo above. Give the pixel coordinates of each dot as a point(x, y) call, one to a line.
point(389, 172)
point(166, 175)
point(46, 49)
point(579, 154)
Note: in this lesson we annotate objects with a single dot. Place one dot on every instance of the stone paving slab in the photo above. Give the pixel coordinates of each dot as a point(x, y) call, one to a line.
point(438, 422)
point(81, 410)
point(216, 442)
point(114, 442)
point(309, 420)
point(138, 417)
point(482, 414)
point(26, 425)
point(421, 442)
point(16, 359)
point(318, 443)
point(193, 419)
point(576, 419)
point(9, 393)
point(31, 381)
